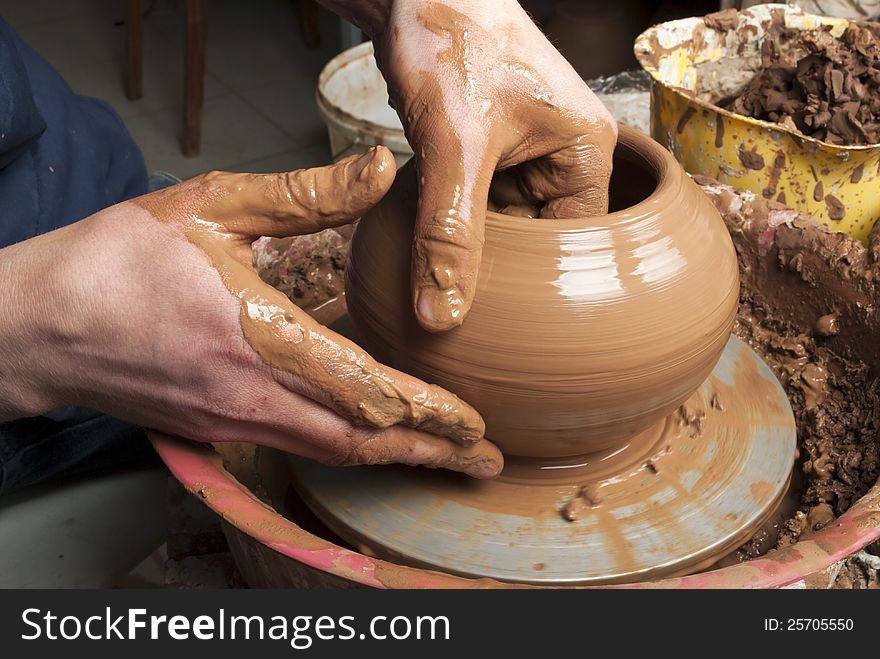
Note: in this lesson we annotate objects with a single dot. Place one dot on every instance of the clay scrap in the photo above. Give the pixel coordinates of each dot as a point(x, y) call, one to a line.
point(307, 269)
point(808, 306)
point(823, 86)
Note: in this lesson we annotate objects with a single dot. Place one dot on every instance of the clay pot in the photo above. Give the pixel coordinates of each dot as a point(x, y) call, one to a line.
point(583, 332)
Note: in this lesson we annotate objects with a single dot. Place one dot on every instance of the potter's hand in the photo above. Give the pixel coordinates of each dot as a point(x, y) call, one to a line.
point(157, 317)
point(479, 89)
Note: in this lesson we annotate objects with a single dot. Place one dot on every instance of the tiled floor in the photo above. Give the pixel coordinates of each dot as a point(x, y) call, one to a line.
point(81, 533)
point(260, 112)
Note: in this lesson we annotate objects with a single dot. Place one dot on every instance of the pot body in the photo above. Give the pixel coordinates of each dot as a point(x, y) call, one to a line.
point(582, 332)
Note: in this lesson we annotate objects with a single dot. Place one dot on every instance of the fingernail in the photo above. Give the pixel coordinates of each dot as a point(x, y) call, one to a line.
point(488, 468)
point(439, 310)
point(362, 164)
point(444, 277)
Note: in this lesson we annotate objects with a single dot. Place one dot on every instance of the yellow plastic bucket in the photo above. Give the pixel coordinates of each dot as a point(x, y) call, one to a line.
point(691, 63)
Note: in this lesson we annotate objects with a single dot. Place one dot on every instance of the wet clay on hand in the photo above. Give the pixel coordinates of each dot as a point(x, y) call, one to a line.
point(481, 92)
point(582, 332)
point(221, 213)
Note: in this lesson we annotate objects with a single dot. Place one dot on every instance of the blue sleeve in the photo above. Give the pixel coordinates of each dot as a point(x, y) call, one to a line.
point(62, 156)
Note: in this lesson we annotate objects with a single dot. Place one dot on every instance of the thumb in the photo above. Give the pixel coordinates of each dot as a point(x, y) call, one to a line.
point(453, 194)
point(300, 202)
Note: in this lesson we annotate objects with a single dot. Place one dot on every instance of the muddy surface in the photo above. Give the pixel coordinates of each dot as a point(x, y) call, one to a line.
point(808, 306)
point(307, 269)
point(836, 402)
point(550, 378)
point(823, 86)
point(859, 572)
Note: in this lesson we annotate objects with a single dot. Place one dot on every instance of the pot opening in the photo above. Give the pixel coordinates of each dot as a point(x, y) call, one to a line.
point(639, 168)
point(635, 177)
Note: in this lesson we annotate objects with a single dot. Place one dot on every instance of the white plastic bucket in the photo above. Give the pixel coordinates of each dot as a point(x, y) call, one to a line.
point(353, 99)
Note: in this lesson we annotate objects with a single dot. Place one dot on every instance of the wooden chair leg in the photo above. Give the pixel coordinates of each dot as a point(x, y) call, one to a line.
point(196, 16)
point(309, 16)
point(134, 49)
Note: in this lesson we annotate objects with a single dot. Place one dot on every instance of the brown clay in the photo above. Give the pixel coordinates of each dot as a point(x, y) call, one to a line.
point(583, 332)
point(307, 269)
point(823, 86)
point(808, 307)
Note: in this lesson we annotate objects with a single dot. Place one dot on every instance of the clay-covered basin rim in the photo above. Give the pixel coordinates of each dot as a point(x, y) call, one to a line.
point(199, 469)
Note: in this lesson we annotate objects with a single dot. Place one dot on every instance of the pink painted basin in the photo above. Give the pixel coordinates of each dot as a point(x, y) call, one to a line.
point(268, 546)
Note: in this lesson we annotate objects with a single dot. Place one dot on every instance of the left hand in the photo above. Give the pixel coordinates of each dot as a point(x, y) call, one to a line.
point(480, 90)
point(152, 313)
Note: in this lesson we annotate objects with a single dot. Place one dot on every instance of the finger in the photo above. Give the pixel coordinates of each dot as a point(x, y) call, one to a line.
point(398, 444)
point(581, 174)
point(566, 176)
point(298, 425)
point(453, 193)
point(334, 371)
point(342, 376)
point(300, 202)
point(509, 188)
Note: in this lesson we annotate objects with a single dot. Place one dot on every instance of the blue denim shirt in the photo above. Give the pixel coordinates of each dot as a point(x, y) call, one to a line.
point(62, 156)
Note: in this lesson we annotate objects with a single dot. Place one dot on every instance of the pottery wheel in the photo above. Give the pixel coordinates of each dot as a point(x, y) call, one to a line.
point(700, 484)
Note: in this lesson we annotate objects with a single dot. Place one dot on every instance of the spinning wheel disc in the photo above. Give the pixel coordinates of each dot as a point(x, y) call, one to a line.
point(694, 488)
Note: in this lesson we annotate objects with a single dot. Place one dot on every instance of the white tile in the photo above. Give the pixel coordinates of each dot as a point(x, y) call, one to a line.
point(300, 158)
point(20, 13)
point(232, 133)
point(84, 40)
point(290, 104)
point(163, 74)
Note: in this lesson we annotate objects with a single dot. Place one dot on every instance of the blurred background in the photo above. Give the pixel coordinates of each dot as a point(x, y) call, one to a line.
point(261, 65)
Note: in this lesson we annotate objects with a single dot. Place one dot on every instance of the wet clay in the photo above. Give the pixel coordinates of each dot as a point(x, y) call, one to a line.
point(583, 332)
point(808, 306)
point(750, 158)
point(803, 290)
point(724, 20)
point(309, 270)
point(221, 212)
point(823, 86)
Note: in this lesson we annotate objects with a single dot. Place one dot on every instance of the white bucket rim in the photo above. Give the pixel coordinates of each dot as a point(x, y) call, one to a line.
point(332, 112)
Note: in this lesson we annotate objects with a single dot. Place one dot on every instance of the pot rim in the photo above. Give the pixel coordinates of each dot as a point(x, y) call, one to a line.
point(662, 164)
